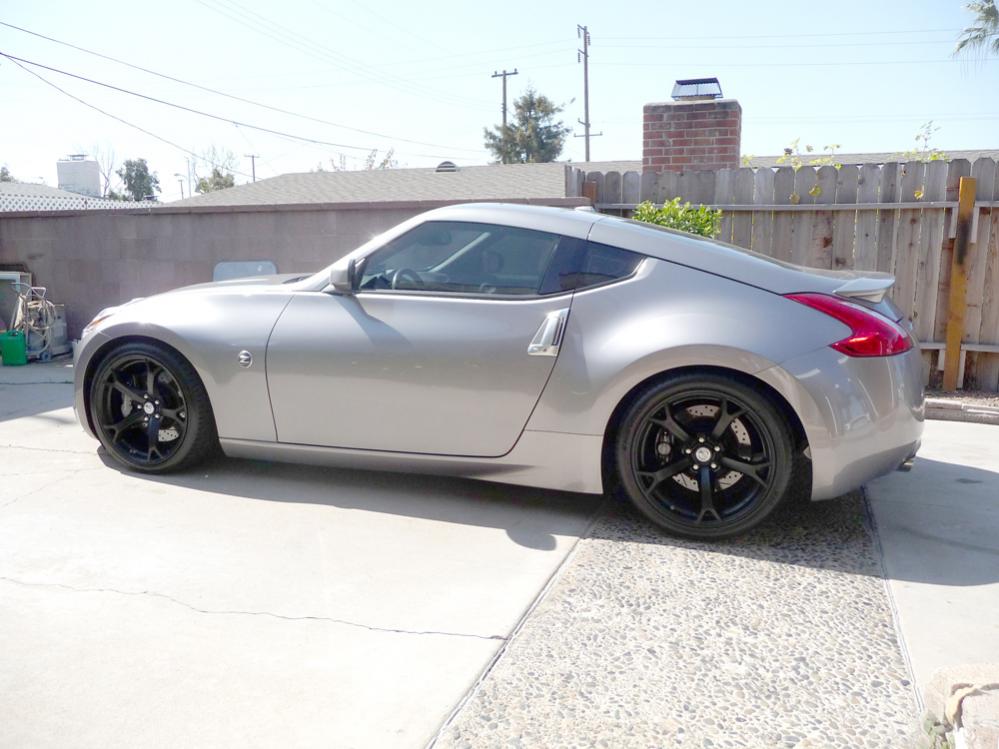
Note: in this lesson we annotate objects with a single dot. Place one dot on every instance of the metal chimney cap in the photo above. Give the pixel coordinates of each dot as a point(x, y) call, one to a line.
point(694, 89)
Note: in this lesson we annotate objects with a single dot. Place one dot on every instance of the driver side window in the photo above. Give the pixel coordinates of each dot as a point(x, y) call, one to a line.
point(462, 258)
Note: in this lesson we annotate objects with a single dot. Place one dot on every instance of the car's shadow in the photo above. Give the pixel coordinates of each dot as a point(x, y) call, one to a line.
point(35, 399)
point(531, 517)
point(836, 535)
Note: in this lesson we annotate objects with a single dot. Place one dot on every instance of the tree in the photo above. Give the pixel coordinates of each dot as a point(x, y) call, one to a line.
point(372, 162)
point(215, 181)
point(222, 163)
point(984, 35)
point(140, 184)
point(533, 136)
point(105, 158)
point(5, 175)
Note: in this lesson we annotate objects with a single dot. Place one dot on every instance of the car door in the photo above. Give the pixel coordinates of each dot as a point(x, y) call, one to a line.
point(444, 347)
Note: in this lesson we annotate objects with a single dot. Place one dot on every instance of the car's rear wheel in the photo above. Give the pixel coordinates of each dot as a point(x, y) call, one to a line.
point(704, 455)
point(150, 409)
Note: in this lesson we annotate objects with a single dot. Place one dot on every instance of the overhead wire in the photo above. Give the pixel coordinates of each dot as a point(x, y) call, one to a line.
point(143, 130)
point(793, 35)
point(200, 112)
point(234, 97)
point(290, 38)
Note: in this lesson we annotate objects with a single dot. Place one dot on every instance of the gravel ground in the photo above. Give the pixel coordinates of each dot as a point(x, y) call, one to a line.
point(783, 638)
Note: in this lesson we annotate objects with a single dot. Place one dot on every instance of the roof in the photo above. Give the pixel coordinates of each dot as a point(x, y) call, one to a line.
point(492, 182)
point(27, 196)
point(879, 157)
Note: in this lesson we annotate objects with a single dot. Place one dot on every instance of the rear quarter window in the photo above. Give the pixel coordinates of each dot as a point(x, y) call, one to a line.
point(582, 265)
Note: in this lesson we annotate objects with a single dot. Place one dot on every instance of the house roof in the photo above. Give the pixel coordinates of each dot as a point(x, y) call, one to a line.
point(27, 196)
point(492, 182)
point(879, 157)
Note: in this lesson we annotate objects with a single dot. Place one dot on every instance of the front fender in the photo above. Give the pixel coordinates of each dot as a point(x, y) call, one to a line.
point(209, 329)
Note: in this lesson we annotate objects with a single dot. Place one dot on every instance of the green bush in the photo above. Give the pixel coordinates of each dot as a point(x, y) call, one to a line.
point(701, 220)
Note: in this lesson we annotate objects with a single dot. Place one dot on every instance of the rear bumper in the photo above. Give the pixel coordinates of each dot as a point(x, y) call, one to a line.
point(863, 417)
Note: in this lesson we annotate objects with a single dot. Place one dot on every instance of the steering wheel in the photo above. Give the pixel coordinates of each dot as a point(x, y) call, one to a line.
point(406, 274)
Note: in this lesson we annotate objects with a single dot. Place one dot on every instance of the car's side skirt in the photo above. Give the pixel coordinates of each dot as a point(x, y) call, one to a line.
point(548, 460)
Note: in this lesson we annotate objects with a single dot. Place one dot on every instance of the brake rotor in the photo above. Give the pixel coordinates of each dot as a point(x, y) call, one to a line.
point(705, 411)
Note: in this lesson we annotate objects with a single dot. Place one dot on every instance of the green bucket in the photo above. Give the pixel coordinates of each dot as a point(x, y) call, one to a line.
point(13, 349)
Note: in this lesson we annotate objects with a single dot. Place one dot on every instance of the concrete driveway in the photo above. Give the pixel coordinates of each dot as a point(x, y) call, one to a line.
point(248, 604)
point(251, 604)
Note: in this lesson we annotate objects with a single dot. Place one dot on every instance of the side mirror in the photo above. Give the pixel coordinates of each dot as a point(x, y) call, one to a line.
point(342, 279)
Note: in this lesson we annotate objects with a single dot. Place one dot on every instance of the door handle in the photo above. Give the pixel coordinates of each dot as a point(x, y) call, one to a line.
point(548, 339)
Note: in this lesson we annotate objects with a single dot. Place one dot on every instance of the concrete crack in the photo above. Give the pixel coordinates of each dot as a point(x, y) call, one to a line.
point(236, 612)
point(66, 473)
point(48, 449)
point(38, 382)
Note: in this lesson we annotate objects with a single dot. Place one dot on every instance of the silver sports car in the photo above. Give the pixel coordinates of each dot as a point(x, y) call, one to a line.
point(539, 346)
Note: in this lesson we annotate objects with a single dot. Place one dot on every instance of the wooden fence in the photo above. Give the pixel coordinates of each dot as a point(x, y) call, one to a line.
point(894, 217)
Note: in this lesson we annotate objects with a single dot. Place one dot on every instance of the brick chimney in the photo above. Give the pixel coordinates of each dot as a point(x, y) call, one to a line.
point(696, 131)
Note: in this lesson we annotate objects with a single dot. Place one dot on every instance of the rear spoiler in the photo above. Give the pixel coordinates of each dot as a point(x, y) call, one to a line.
point(871, 289)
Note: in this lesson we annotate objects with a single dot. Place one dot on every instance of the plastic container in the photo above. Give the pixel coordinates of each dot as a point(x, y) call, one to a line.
point(13, 349)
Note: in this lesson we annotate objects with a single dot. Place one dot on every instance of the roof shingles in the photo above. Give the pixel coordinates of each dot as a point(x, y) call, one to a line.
point(493, 182)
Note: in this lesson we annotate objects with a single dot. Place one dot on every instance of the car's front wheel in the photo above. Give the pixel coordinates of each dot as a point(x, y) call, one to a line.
point(150, 409)
point(704, 455)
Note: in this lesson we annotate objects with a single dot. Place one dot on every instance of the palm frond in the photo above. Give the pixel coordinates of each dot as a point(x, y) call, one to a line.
point(984, 35)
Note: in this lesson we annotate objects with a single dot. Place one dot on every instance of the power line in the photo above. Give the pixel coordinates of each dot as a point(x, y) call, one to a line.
point(714, 64)
point(202, 113)
point(781, 46)
point(231, 96)
point(288, 37)
point(160, 138)
point(793, 35)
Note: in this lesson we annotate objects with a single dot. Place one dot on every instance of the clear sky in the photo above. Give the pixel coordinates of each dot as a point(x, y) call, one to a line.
point(862, 73)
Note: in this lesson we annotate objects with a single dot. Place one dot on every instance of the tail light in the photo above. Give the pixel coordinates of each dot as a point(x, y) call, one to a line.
point(870, 333)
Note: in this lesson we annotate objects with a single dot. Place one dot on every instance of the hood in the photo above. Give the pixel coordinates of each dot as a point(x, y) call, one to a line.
point(140, 306)
point(276, 279)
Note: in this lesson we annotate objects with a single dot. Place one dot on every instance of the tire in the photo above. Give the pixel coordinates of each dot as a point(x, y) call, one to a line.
point(150, 409)
point(692, 430)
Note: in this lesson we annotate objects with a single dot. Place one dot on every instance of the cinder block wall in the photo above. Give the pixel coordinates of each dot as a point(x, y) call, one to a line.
point(682, 136)
point(94, 259)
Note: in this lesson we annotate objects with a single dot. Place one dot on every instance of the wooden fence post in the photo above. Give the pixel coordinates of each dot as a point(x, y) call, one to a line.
point(958, 283)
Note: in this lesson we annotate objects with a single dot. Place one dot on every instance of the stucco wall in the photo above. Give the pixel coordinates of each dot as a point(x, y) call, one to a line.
point(94, 259)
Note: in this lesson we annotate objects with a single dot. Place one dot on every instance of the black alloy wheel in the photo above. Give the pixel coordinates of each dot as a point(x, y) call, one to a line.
point(150, 409)
point(704, 456)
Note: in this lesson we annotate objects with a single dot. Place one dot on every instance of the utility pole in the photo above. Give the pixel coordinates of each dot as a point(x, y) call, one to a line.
point(253, 163)
point(504, 76)
point(583, 56)
point(181, 183)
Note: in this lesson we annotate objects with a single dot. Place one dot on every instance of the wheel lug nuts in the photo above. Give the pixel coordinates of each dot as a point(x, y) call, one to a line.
point(714, 465)
point(696, 467)
point(700, 439)
point(717, 448)
point(687, 451)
